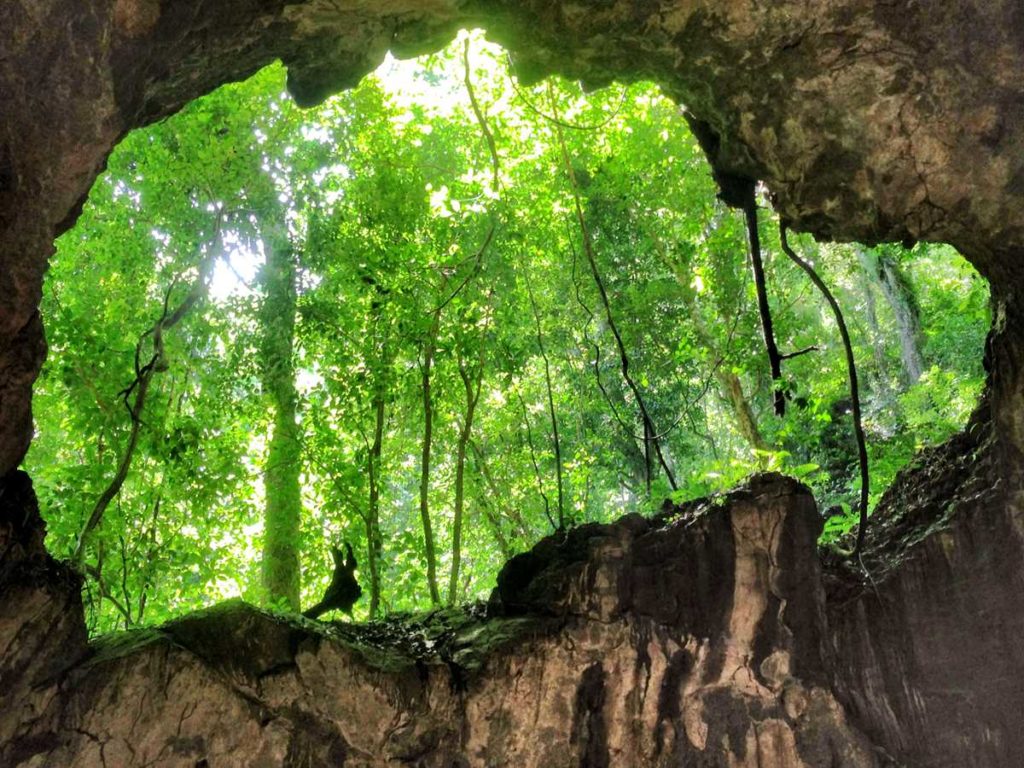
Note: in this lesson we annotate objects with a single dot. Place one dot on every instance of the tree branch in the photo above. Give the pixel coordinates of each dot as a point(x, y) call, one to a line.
point(650, 433)
point(139, 387)
point(858, 427)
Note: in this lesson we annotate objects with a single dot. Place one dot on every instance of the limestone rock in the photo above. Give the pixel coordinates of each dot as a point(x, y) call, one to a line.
point(928, 651)
point(697, 637)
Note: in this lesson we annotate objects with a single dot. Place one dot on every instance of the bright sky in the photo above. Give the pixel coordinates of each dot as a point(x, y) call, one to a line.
point(407, 82)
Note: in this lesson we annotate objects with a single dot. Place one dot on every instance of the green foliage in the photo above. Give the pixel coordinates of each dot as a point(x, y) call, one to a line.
point(398, 214)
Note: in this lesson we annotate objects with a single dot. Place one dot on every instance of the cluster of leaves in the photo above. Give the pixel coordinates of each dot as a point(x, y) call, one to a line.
point(543, 276)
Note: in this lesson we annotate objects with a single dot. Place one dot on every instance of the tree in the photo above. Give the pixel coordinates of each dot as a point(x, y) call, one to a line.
point(438, 328)
point(281, 567)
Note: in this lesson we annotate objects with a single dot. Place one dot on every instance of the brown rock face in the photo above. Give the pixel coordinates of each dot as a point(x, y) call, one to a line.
point(929, 658)
point(715, 614)
point(696, 638)
point(42, 629)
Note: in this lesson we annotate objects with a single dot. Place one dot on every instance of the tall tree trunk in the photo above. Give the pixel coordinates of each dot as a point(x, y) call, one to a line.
point(651, 437)
point(429, 549)
point(729, 383)
point(899, 295)
point(746, 421)
point(633, 455)
point(557, 443)
point(281, 574)
point(494, 522)
point(381, 355)
point(732, 390)
point(512, 514)
point(372, 517)
point(472, 386)
point(533, 459)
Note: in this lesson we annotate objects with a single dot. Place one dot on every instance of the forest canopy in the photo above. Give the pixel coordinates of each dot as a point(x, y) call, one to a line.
point(438, 317)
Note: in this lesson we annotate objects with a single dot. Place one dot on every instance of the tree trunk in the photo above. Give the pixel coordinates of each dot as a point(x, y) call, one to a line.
point(651, 437)
point(556, 441)
point(472, 385)
point(374, 542)
point(430, 553)
point(494, 523)
point(533, 459)
point(746, 421)
point(519, 526)
point(380, 356)
point(281, 572)
point(730, 384)
point(899, 295)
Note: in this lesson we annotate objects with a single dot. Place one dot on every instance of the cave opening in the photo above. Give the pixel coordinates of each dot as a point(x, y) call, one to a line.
point(714, 631)
point(395, 188)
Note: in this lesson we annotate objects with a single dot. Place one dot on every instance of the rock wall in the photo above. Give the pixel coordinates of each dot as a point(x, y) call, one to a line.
point(709, 635)
point(929, 656)
point(42, 625)
point(695, 638)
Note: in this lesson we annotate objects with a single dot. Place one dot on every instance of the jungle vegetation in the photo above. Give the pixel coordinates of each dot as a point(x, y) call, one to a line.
point(439, 317)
